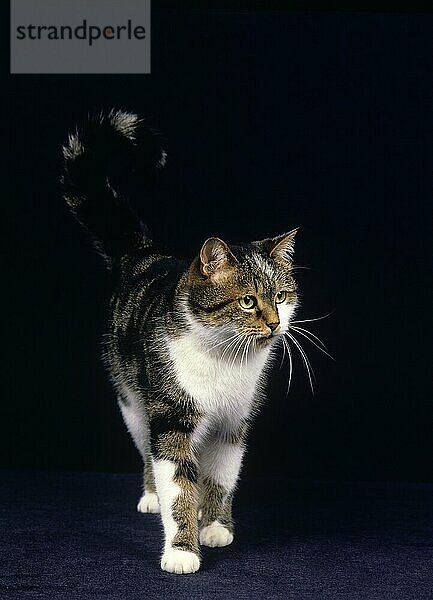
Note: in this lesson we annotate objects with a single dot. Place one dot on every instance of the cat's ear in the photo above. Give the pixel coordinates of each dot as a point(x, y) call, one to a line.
point(215, 257)
point(282, 246)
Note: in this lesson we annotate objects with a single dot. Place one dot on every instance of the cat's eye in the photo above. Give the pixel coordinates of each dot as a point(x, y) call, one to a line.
point(248, 302)
point(280, 296)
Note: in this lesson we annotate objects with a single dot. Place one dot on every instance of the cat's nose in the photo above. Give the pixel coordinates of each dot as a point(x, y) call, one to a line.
point(273, 326)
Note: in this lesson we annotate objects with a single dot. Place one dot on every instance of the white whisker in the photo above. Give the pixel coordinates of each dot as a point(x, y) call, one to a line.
point(313, 335)
point(239, 351)
point(305, 332)
point(310, 320)
point(222, 342)
point(235, 352)
point(245, 352)
point(284, 353)
point(289, 354)
point(307, 363)
point(231, 345)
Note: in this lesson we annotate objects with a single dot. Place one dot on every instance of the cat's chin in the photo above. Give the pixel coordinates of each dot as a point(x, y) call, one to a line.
point(264, 342)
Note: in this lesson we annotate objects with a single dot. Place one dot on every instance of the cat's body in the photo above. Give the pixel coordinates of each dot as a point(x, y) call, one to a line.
point(188, 344)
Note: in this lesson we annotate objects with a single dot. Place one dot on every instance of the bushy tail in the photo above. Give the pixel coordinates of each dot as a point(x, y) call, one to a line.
point(104, 146)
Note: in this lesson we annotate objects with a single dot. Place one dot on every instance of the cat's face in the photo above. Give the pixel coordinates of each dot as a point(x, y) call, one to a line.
point(243, 292)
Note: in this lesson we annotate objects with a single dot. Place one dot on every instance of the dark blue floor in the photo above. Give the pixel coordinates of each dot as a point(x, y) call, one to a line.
point(78, 536)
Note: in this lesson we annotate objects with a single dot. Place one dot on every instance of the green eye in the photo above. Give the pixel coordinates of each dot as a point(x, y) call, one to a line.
point(248, 302)
point(280, 297)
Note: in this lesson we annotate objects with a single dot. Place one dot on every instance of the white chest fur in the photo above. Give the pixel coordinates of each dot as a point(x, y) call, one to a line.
point(221, 389)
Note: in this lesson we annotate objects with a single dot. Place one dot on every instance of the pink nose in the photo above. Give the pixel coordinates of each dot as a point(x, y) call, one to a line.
point(273, 326)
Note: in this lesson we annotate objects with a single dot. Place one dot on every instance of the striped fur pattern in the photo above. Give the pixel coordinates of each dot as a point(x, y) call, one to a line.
point(188, 344)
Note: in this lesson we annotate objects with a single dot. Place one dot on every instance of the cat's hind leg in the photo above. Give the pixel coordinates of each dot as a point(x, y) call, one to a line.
point(148, 502)
point(136, 423)
point(220, 464)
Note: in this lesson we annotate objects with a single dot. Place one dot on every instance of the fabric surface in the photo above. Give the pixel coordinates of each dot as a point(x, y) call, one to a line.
point(78, 536)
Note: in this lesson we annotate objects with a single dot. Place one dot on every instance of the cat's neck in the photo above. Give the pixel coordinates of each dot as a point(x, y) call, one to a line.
point(222, 376)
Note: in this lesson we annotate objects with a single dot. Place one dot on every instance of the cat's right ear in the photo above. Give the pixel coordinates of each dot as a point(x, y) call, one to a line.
point(280, 247)
point(215, 257)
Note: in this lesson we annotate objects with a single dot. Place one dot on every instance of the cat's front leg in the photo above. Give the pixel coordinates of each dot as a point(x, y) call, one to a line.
point(176, 472)
point(220, 464)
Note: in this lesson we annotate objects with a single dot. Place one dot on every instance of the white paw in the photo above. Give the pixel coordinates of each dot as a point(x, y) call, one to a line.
point(179, 561)
point(215, 535)
point(148, 503)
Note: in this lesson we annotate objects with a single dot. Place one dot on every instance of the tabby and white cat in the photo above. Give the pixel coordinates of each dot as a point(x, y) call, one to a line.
point(188, 344)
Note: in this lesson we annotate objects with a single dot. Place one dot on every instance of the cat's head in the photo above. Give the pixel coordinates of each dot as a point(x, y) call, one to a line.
point(245, 290)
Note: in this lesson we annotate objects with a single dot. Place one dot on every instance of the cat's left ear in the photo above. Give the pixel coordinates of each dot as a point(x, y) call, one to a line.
point(282, 246)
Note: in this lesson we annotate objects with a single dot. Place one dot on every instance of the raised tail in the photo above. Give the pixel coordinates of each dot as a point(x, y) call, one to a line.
point(95, 153)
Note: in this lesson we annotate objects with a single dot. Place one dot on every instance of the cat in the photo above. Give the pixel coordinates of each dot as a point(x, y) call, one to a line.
point(188, 344)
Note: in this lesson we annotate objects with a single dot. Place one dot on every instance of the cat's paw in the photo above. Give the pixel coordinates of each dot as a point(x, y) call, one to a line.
point(179, 561)
point(148, 503)
point(215, 535)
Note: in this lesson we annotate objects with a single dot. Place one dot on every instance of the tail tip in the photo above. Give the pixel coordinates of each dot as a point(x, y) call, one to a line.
point(124, 122)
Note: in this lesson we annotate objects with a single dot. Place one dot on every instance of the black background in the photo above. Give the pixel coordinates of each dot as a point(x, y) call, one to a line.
point(273, 119)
